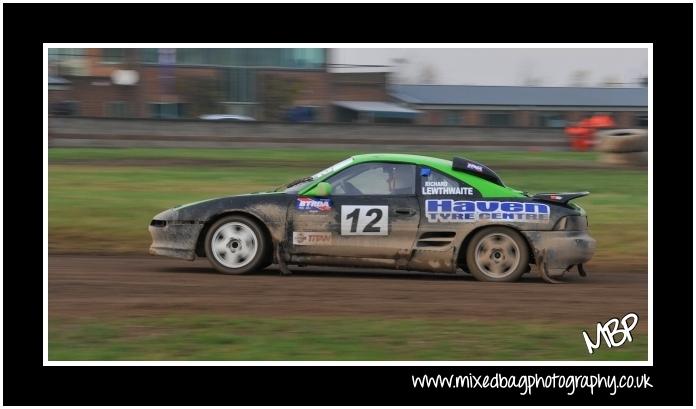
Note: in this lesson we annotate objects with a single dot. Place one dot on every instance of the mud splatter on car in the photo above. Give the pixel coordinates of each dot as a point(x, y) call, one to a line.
point(394, 211)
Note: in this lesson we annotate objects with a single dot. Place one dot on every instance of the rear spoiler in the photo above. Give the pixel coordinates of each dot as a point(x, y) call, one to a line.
point(562, 198)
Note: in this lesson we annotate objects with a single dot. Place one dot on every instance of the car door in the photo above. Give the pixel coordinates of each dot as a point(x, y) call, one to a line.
point(440, 234)
point(373, 212)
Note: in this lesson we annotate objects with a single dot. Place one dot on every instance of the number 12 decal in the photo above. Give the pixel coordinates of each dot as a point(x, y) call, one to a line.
point(364, 220)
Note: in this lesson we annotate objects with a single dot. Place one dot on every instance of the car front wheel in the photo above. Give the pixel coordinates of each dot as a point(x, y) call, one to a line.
point(237, 245)
point(497, 254)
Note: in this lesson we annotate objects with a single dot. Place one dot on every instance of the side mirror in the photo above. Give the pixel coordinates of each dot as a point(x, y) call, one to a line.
point(322, 189)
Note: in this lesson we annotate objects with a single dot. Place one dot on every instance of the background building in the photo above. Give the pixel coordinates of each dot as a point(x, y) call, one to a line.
point(517, 106)
point(295, 84)
point(187, 82)
point(264, 83)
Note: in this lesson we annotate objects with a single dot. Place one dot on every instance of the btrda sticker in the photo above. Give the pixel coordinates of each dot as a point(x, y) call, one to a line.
point(462, 211)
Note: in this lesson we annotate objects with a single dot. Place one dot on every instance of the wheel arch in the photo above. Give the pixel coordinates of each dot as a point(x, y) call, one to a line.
point(200, 241)
point(461, 251)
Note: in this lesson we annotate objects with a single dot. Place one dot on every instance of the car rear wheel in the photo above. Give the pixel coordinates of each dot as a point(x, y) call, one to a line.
point(497, 254)
point(237, 245)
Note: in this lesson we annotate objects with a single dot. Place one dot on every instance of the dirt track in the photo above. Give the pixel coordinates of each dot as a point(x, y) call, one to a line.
point(93, 286)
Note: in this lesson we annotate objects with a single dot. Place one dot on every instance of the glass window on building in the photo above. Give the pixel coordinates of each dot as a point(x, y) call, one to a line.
point(73, 107)
point(453, 118)
point(301, 58)
point(68, 61)
point(498, 118)
point(68, 108)
point(53, 54)
point(148, 55)
point(157, 55)
point(550, 120)
point(267, 57)
point(113, 55)
point(225, 57)
point(307, 57)
point(167, 110)
point(62, 54)
point(642, 119)
point(239, 85)
point(116, 109)
point(191, 56)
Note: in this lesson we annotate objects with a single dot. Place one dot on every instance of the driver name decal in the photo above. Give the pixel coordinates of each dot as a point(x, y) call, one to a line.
point(462, 211)
point(431, 187)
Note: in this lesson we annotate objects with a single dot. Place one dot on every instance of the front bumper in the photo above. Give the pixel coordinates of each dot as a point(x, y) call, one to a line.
point(562, 248)
point(172, 238)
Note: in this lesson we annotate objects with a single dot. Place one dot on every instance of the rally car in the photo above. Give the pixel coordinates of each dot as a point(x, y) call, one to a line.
point(391, 211)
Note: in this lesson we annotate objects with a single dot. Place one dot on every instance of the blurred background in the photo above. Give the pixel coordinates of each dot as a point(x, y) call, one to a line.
point(134, 131)
point(513, 88)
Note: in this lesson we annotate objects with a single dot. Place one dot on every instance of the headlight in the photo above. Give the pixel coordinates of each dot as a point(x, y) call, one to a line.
point(572, 223)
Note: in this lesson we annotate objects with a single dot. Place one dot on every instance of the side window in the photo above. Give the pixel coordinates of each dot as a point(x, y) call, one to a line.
point(434, 183)
point(375, 179)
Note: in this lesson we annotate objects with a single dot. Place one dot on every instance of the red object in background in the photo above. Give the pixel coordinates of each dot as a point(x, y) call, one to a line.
point(582, 133)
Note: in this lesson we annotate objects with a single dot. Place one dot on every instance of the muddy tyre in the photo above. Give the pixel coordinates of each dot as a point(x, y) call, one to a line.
point(497, 254)
point(237, 245)
point(622, 140)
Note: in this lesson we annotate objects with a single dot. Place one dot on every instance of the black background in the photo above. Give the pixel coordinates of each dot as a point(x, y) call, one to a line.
point(27, 26)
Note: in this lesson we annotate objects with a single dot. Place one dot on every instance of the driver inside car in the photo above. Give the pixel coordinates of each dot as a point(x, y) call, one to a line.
point(399, 179)
point(375, 179)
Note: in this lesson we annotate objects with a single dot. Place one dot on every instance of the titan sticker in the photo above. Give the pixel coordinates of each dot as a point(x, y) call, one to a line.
point(311, 238)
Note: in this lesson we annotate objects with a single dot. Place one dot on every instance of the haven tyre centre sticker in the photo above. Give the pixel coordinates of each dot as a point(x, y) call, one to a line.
point(364, 220)
point(452, 211)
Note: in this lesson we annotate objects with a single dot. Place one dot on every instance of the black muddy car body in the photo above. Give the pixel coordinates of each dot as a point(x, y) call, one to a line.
point(385, 211)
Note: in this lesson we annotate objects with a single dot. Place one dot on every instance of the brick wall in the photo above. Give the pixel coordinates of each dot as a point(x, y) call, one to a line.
point(359, 86)
point(523, 118)
point(92, 93)
point(155, 87)
point(625, 119)
point(473, 118)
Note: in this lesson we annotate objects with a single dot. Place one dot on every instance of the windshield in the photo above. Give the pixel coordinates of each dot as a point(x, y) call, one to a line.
point(299, 184)
point(332, 169)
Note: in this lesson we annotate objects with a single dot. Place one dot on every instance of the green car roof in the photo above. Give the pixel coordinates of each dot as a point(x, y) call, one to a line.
point(486, 188)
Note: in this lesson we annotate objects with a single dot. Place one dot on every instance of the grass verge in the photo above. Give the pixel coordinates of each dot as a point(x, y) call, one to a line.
point(230, 339)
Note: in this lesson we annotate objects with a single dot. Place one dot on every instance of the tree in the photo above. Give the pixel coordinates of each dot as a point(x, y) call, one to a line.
point(427, 75)
point(203, 94)
point(611, 81)
point(533, 81)
point(278, 95)
point(579, 78)
point(526, 75)
point(398, 76)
